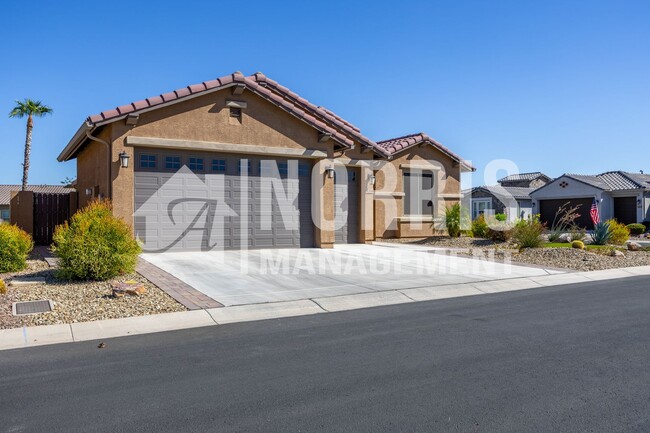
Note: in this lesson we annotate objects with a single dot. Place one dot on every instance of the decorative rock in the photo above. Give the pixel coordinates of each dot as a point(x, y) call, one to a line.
point(617, 253)
point(131, 288)
point(633, 246)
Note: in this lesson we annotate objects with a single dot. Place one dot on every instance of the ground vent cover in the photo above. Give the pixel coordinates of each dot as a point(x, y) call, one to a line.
point(32, 307)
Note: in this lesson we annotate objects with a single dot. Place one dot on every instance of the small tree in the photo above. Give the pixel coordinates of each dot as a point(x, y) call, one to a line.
point(30, 109)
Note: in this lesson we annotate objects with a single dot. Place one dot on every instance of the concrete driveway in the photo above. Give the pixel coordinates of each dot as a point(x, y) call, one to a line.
point(260, 276)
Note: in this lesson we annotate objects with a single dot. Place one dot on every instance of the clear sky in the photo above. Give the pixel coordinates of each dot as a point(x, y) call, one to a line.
point(555, 86)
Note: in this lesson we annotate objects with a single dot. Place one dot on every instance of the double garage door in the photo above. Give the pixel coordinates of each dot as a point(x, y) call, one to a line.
point(193, 202)
point(548, 209)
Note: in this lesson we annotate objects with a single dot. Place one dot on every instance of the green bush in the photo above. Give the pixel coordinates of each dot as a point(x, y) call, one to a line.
point(601, 234)
point(95, 245)
point(480, 228)
point(636, 229)
point(578, 245)
point(454, 219)
point(500, 217)
point(15, 245)
point(500, 232)
point(528, 232)
point(620, 232)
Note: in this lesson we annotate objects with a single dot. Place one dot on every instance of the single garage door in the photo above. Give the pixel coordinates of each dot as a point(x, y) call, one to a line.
point(549, 208)
point(346, 198)
point(193, 202)
point(625, 209)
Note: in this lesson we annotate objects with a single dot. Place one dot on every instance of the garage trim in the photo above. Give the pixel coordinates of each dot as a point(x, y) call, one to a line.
point(169, 143)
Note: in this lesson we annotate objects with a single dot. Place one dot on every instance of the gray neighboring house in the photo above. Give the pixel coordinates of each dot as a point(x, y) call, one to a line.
point(511, 196)
point(621, 195)
point(6, 190)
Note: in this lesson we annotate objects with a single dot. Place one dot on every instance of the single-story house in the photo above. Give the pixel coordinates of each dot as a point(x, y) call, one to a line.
point(6, 191)
point(510, 197)
point(200, 168)
point(620, 195)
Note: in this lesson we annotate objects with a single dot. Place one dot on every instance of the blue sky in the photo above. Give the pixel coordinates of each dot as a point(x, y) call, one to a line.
point(555, 86)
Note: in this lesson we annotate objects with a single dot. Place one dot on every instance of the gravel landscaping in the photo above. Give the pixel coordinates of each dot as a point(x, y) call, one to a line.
point(80, 301)
point(560, 258)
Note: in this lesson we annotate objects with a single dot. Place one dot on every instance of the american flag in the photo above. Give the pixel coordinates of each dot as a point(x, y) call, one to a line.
point(595, 215)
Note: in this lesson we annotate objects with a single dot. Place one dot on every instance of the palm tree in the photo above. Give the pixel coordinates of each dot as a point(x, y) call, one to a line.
point(30, 109)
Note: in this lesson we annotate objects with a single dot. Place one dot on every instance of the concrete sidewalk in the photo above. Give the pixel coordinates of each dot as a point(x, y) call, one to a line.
point(102, 329)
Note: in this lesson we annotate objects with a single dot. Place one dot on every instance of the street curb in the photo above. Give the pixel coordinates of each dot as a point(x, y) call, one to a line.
point(68, 333)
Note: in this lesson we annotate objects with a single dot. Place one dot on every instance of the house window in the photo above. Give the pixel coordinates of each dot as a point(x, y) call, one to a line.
point(195, 163)
point(4, 214)
point(303, 169)
point(172, 162)
point(283, 168)
point(418, 193)
point(147, 161)
point(219, 165)
point(480, 206)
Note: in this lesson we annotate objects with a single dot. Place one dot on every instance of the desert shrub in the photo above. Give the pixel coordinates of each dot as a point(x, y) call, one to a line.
point(636, 229)
point(480, 227)
point(15, 245)
point(95, 245)
point(576, 233)
point(528, 232)
point(620, 232)
point(601, 234)
point(456, 218)
point(3, 288)
point(500, 217)
point(500, 232)
point(563, 220)
point(578, 245)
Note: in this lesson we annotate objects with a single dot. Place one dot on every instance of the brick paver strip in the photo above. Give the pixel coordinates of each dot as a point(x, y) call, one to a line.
point(177, 289)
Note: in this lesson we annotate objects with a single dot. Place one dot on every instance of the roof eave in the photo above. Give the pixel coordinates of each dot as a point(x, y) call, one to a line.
point(70, 150)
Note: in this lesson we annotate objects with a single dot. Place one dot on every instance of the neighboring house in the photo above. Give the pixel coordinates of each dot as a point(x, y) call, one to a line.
point(511, 196)
point(525, 180)
point(6, 190)
point(621, 195)
point(212, 140)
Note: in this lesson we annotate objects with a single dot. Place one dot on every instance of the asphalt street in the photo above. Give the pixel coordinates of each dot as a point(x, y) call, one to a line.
point(560, 359)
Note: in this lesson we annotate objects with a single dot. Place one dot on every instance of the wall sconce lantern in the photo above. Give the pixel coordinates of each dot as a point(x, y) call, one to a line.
point(330, 172)
point(124, 159)
point(89, 191)
point(638, 202)
point(372, 179)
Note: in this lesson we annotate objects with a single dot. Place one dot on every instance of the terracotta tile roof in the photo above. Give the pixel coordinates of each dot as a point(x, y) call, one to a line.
point(318, 117)
point(395, 145)
point(5, 191)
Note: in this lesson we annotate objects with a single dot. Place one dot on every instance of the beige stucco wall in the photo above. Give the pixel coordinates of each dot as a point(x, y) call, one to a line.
point(207, 118)
point(447, 184)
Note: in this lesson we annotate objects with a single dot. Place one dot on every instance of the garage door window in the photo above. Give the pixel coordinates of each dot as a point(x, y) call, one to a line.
point(195, 164)
point(147, 161)
point(172, 162)
point(219, 165)
point(240, 165)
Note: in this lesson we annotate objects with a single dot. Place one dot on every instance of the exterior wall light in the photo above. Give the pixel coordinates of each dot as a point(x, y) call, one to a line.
point(372, 179)
point(330, 172)
point(124, 159)
point(89, 191)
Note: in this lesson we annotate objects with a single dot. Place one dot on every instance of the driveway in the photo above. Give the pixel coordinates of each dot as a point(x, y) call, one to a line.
point(260, 276)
